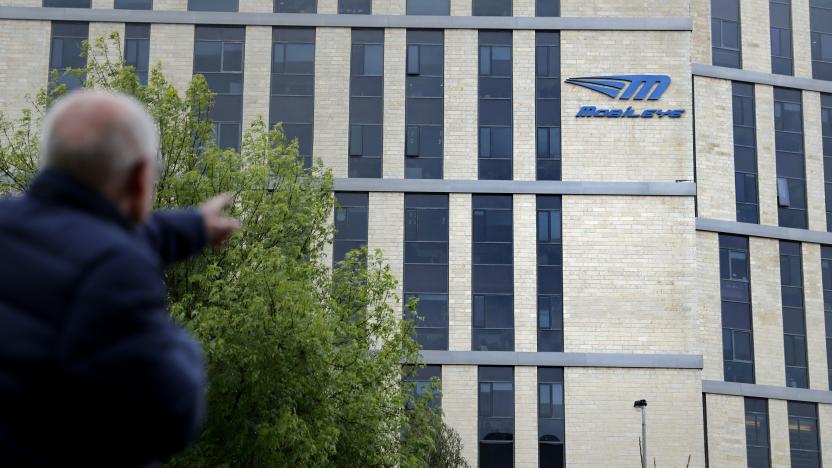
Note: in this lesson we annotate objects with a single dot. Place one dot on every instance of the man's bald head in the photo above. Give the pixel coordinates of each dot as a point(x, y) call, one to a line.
point(107, 141)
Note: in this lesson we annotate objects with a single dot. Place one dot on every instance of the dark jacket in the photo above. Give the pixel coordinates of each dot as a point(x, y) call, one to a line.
point(92, 370)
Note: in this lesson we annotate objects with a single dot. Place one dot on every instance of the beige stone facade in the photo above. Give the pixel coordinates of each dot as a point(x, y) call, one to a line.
point(461, 103)
point(714, 149)
point(22, 72)
point(459, 293)
point(332, 87)
point(769, 365)
point(172, 46)
point(726, 430)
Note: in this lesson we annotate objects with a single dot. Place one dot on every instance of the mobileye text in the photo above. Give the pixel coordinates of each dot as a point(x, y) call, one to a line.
point(629, 113)
point(625, 88)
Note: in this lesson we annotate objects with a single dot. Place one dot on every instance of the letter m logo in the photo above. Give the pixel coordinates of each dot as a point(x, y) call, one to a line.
point(625, 87)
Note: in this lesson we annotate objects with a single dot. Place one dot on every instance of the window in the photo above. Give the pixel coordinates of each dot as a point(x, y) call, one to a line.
point(496, 417)
point(67, 48)
point(493, 273)
point(495, 105)
point(745, 153)
point(549, 274)
point(550, 417)
point(791, 166)
point(548, 105)
point(794, 320)
point(295, 6)
point(67, 3)
point(137, 48)
point(429, 7)
point(351, 223)
point(803, 435)
point(737, 330)
point(292, 98)
point(782, 58)
point(366, 103)
point(725, 33)
point(213, 5)
point(756, 433)
point(425, 115)
point(426, 266)
point(219, 57)
point(826, 125)
point(134, 4)
point(355, 7)
point(826, 267)
point(821, 34)
point(492, 8)
point(547, 7)
point(427, 383)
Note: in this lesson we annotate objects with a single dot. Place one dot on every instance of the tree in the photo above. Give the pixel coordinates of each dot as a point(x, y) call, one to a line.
point(304, 361)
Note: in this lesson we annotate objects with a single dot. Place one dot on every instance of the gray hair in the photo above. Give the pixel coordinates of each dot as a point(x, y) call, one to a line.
point(97, 136)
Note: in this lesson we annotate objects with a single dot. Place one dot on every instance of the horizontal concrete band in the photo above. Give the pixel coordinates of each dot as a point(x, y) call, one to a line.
point(735, 74)
point(509, 358)
point(766, 391)
point(540, 187)
point(349, 21)
point(758, 230)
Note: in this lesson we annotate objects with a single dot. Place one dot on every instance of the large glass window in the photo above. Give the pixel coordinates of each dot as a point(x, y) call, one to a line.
point(745, 153)
point(351, 223)
point(548, 105)
point(67, 3)
point(67, 48)
point(426, 266)
point(821, 34)
point(134, 4)
point(826, 267)
point(550, 418)
point(496, 417)
point(803, 435)
point(756, 433)
point(493, 273)
point(826, 126)
point(549, 274)
point(547, 8)
point(782, 55)
point(425, 114)
point(137, 48)
point(737, 330)
point(725, 33)
point(794, 319)
point(366, 103)
point(427, 383)
point(495, 105)
point(219, 57)
point(355, 7)
point(791, 165)
point(429, 7)
point(213, 5)
point(293, 86)
point(295, 6)
point(492, 7)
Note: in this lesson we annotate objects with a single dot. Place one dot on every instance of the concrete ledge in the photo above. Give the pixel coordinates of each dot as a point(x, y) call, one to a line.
point(766, 391)
point(509, 358)
point(758, 230)
point(686, 189)
point(349, 21)
point(726, 73)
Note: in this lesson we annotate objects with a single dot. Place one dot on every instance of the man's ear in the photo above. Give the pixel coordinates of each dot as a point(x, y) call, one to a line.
point(138, 186)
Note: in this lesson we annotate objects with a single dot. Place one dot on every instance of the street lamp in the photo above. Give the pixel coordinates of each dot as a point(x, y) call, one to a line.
point(642, 404)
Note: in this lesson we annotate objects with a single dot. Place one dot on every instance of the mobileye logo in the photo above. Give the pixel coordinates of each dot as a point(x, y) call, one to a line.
point(625, 88)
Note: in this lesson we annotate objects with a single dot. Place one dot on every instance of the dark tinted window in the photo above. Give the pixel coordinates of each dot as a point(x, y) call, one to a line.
point(826, 126)
point(725, 33)
point(134, 4)
point(791, 165)
point(782, 58)
point(737, 330)
point(351, 223)
point(366, 103)
point(493, 273)
point(137, 48)
point(549, 274)
point(293, 86)
point(429, 7)
point(547, 65)
point(492, 7)
point(803, 435)
point(547, 7)
point(821, 36)
point(496, 417)
point(757, 433)
point(67, 3)
point(426, 266)
point(213, 5)
point(794, 320)
point(295, 6)
point(550, 417)
point(425, 112)
point(745, 153)
point(495, 105)
point(219, 53)
point(826, 267)
point(355, 7)
point(67, 48)
point(427, 383)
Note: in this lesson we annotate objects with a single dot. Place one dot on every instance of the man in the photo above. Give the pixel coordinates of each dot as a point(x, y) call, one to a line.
point(92, 370)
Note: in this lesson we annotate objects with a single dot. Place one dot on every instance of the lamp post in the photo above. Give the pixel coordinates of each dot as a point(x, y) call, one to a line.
point(642, 404)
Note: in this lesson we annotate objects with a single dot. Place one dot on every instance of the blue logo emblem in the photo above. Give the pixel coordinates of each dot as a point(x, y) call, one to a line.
point(625, 88)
